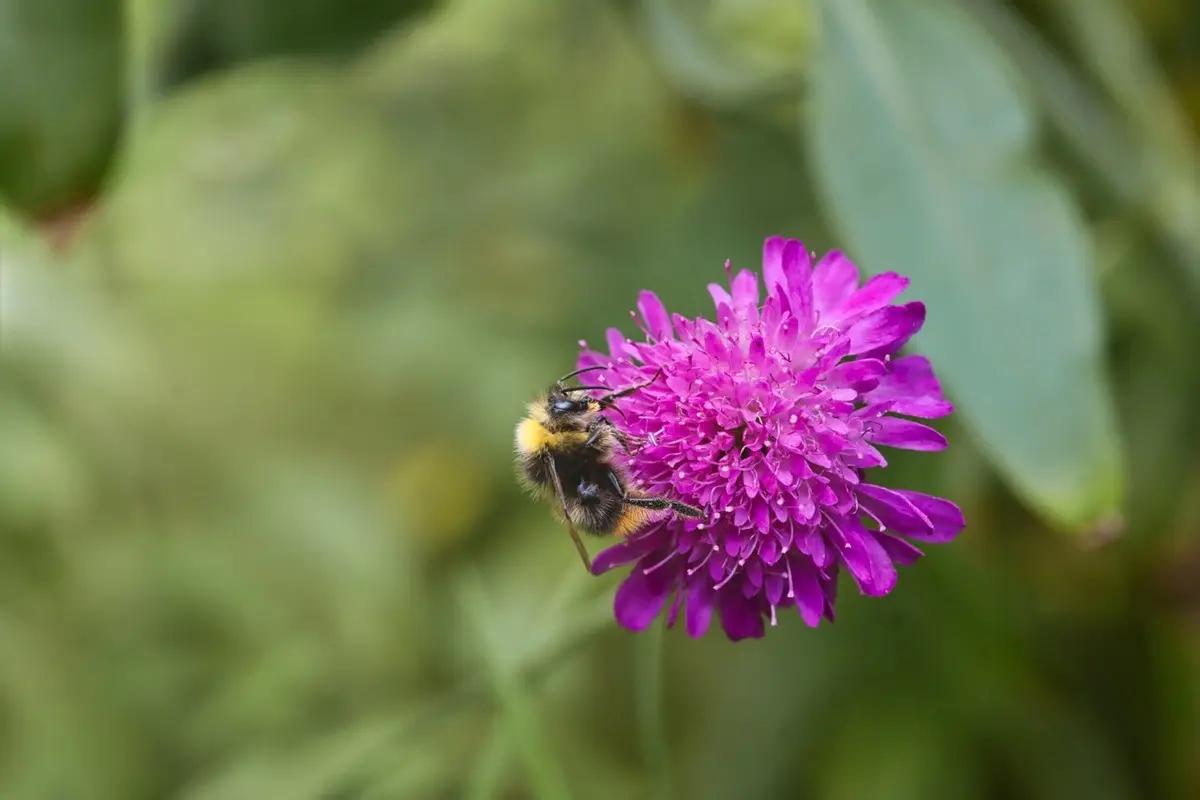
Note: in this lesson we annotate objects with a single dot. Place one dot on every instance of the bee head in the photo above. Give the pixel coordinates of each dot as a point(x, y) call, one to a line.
point(563, 402)
point(561, 405)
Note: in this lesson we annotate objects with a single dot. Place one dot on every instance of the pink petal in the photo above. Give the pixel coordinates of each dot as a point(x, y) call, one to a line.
point(641, 596)
point(862, 374)
point(720, 297)
point(894, 511)
point(617, 346)
point(946, 517)
point(883, 569)
point(654, 314)
point(845, 536)
point(829, 584)
point(590, 358)
point(810, 598)
point(627, 552)
point(740, 617)
point(906, 435)
point(866, 559)
point(631, 549)
point(772, 263)
point(912, 388)
point(745, 290)
point(876, 293)
point(673, 613)
point(699, 610)
point(798, 270)
point(887, 329)
point(833, 281)
point(900, 551)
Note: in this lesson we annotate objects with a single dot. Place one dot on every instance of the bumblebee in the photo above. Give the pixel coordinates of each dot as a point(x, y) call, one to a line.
point(566, 447)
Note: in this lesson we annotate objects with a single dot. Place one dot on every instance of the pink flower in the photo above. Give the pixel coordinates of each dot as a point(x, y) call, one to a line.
point(769, 419)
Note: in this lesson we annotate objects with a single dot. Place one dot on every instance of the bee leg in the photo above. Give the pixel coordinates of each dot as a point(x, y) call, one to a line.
point(602, 424)
point(562, 499)
point(661, 504)
point(596, 430)
point(684, 510)
point(653, 503)
point(627, 442)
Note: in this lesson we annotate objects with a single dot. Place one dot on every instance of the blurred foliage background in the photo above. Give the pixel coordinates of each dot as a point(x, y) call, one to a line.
point(277, 277)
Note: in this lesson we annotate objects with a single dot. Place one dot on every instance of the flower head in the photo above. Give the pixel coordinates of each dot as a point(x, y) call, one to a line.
point(769, 419)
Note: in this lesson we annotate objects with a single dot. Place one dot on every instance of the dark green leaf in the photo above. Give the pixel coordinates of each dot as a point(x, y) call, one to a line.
point(61, 86)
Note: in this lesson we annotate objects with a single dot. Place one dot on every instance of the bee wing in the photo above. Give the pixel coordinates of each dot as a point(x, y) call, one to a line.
point(562, 499)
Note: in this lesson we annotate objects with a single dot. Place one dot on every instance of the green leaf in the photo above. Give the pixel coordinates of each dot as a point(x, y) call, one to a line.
point(215, 34)
point(730, 54)
point(61, 84)
point(271, 171)
point(921, 145)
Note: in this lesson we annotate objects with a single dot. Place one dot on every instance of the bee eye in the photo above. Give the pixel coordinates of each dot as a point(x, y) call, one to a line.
point(564, 406)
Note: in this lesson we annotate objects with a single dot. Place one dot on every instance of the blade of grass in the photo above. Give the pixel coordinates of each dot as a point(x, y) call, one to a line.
point(489, 769)
point(650, 709)
point(391, 731)
point(517, 708)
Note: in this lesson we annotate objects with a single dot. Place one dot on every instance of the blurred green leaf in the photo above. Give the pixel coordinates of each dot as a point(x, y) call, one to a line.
point(1151, 310)
point(928, 760)
point(732, 54)
point(517, 707)
point(489, 771)
point(280, 159)
point(1076, 109)
point(209, 35)
point(920, 141)
point(61, 86)
point(1170, 147)
point(1059, 752)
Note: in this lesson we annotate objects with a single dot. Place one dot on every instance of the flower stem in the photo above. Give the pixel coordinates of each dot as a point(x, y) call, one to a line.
point(650, 709)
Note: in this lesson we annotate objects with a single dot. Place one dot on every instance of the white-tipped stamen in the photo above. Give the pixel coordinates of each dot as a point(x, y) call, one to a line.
point(693, 570)
point(726, 579)
point(653, 567)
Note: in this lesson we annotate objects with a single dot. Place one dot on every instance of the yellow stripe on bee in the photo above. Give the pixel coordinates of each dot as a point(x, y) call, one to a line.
point(533, 437)
point(632, 520)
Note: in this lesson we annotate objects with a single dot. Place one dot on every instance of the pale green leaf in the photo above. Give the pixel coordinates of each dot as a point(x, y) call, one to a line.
point(921, 142)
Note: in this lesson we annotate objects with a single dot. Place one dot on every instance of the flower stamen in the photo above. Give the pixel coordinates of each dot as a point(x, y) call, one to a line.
point(653, 567)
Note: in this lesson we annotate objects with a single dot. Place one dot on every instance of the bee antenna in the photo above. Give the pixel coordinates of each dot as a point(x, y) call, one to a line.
point(570, 375)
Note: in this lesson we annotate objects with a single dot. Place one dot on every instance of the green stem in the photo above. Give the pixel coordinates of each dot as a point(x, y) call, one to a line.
point(648, 675)
point(489, 767)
